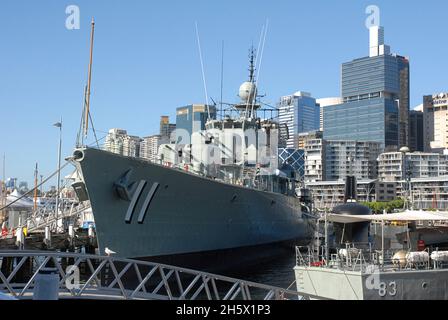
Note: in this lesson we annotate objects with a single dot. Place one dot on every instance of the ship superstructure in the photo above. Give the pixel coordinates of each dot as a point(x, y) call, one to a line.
point(239, 148)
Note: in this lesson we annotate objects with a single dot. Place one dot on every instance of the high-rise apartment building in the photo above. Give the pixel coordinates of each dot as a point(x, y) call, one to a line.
point(335, 160)
point(118, 141)
point(394, 166)
point(149, 148)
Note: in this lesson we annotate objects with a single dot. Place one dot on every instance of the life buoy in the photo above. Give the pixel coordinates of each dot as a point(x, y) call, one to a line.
point(421, 245)
point(317, 264)
point(186, 167)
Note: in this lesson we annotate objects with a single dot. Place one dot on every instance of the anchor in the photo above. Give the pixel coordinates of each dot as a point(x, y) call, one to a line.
point(123, 188)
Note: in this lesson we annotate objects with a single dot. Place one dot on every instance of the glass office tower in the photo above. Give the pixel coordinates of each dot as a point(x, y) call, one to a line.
point(375, 92)
point(193, 118)
point(300, 113)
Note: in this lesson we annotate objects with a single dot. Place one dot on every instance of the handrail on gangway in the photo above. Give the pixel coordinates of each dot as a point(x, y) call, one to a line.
point(107, 277)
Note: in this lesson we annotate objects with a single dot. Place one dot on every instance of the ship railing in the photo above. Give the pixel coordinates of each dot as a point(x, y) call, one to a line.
point(362, 257)
point(434, 224)
point(80, 276)
point(349, 257)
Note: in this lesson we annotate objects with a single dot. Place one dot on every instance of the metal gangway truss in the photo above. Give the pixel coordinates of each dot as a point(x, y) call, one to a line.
point(47, 217)
point(106, 277)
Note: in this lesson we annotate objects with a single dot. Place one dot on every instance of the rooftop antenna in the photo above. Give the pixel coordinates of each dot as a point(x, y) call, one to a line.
point(202, 68)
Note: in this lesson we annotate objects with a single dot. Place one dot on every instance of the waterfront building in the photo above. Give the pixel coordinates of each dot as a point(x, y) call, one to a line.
point(311, 135)
point(430, 193)
point(335, 160)
point(149, 148)
point(435, 115)
point(192, 118)
point(118, 141)
point(416, 131)
point(131, 146)
point(314, 159)
point(299, 113)
point(325, 102)
point(166, 128)
point(397, 167)
point(329, 194)
point(375, 93)
point(393, 166)
point(114, 140)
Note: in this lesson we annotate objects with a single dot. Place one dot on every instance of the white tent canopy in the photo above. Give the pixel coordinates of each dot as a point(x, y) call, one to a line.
point(408, 215)
point(25, 202)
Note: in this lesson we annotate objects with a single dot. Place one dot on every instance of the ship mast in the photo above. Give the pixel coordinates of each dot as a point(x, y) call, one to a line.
point(248, 91)
point(89, 79)
point(35, 187)
point(252, 65)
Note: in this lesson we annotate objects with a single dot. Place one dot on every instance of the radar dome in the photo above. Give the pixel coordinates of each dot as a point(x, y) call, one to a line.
point(248, 91)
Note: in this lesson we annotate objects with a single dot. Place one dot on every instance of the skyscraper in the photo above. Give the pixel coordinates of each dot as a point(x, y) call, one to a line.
point(192, 118)
point(325, 102)
point(375, 93)
point(166, 128)
point(416, 132)
point(300, 113)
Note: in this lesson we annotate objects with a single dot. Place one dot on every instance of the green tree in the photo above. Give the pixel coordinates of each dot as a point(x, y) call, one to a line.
point(379, 207)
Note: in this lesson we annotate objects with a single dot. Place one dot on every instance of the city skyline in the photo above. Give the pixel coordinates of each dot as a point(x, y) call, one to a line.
point(151, 66)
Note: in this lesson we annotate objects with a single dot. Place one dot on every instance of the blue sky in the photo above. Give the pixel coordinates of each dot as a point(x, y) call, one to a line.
point(146, 60)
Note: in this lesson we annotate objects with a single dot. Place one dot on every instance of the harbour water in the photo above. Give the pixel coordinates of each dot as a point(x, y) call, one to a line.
point(277, 271)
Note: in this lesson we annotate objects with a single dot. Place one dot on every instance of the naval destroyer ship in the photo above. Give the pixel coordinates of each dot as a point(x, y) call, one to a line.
point(220, 191)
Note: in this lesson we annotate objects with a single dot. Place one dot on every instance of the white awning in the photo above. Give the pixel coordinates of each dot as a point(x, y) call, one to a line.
point(25, 202)
point(401, 216)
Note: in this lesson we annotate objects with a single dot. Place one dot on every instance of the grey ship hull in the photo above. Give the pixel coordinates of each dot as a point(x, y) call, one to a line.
point(177, 213)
